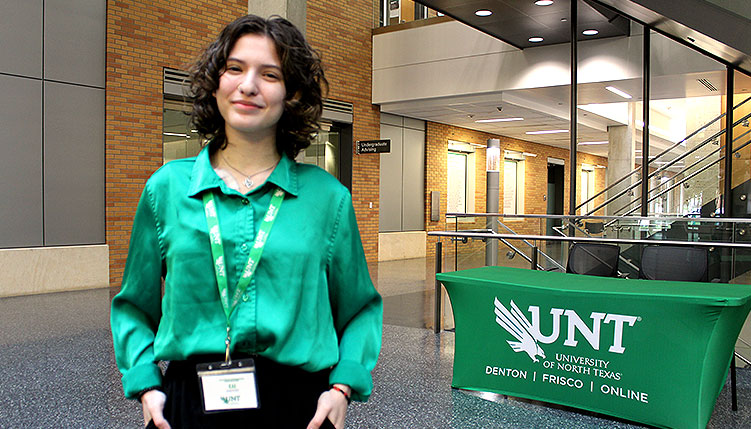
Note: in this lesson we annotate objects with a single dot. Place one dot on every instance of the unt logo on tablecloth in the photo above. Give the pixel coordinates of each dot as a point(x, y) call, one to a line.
point(529, 337)
point(517, 325)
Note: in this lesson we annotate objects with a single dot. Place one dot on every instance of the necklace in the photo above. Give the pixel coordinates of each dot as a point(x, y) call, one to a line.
point(248, 181)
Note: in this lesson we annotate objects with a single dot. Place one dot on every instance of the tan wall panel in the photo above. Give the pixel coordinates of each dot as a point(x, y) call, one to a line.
point(53, 269)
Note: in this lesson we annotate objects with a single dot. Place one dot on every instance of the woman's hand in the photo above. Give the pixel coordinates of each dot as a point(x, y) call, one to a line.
point(331, 405)
point(153, 406)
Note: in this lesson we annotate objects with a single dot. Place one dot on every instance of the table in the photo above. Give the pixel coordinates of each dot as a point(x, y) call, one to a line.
point(655, 352)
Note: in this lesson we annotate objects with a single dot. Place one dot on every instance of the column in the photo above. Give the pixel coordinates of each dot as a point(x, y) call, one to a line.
point(492, 197)
point(293, 10)
point(621, 159)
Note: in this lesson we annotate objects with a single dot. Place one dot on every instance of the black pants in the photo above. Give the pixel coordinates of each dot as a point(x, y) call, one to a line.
point(288, 397)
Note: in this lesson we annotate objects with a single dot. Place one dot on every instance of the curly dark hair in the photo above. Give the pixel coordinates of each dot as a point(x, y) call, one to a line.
point(303, 76)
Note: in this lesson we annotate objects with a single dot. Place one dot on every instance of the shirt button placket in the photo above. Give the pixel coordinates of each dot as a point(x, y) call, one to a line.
point(244, 246)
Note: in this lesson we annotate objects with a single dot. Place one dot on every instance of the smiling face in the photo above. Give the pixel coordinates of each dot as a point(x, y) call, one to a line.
point(251, 89)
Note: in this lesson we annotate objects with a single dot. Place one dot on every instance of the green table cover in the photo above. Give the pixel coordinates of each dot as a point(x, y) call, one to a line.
point(655, 352)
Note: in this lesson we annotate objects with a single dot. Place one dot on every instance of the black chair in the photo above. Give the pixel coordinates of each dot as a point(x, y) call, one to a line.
point(678, 263)
point(682, 263)
point(594, 227)
point(593, 259)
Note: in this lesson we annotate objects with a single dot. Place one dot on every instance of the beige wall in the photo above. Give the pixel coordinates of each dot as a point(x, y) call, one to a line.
point(53, 269)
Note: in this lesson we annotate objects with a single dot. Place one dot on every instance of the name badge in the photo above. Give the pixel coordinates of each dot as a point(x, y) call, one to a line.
point(226, 387)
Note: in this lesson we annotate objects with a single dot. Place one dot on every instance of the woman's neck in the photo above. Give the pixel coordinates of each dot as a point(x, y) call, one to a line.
point(250, 155)
point(244, 164)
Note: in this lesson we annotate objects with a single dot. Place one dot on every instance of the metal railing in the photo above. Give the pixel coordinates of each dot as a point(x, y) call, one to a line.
point(529, 259)
point(598, 217)
point(690, 176)
point(535, 238)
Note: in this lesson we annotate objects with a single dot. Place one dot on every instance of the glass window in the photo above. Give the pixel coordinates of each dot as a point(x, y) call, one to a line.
point(513, 185)
point(392, 12)
point(587, 188)
point(685, 127)
point(456, 198)
point(324, 151)
point(179, 138)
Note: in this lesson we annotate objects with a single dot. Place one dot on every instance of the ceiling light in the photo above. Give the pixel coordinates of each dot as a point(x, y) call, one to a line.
point(547, 132)
point(615, 90)
point(536, 39)
point(544, 2)
point(484, 121)
point(590, 32)
point(483, 12)
point(591, 143)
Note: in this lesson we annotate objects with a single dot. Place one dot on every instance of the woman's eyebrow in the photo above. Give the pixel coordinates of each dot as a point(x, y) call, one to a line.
point(237, 60)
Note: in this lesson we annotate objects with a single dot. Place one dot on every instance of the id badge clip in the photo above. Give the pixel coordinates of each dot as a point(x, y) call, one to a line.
point(228, 386)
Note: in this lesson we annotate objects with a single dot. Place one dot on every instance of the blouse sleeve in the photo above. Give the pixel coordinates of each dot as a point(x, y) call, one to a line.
point(136, 310)
point(357, 307)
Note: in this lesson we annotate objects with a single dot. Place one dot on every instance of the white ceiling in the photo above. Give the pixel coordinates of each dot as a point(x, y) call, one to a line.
point(547, 108)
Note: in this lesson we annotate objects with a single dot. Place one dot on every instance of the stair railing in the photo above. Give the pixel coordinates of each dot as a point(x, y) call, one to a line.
point(655, 158)
point(685, 179)
point(533, 247)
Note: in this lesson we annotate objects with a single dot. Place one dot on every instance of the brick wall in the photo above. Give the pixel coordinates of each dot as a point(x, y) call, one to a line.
point(343, 35)
point(535, 170)
point(143, 37)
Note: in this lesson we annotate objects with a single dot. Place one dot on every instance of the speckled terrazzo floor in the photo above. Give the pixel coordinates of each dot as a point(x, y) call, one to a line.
point(57, 369)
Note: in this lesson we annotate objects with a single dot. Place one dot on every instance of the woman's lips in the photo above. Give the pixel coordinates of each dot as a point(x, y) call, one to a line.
point(246, 105)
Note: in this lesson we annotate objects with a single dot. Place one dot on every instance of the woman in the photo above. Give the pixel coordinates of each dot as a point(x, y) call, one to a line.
point(268, 315)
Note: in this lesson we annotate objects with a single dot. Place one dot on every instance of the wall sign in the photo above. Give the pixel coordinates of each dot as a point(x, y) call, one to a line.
point(373, 146)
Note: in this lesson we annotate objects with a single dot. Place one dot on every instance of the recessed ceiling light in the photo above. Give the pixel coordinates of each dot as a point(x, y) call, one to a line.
point(483, 12)
point(615, 90)
point(536, 39)
point(544, 2)
point(547, 132)
point(591, 32)
point(484, 121)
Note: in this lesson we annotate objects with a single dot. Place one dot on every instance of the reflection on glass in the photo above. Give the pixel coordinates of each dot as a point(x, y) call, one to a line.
point(456, 183)
point(179, 138)
point(686, 142)
point(392, 12)
point(741, 178)
point(324, 151)
point(609, 122)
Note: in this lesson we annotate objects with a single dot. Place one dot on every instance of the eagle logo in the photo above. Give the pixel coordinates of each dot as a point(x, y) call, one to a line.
point(516, 324)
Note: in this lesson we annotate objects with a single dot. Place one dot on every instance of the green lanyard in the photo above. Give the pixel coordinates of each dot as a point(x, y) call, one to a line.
point(217, 251)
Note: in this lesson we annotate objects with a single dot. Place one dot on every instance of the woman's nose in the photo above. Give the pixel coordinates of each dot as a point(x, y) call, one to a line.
point(248, 84)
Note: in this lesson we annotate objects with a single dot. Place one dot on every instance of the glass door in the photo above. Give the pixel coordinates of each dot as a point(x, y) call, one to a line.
point(325, 151)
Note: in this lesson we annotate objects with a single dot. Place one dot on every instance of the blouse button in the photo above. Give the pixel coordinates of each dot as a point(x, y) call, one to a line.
point(245, 202)
point(245, 297)
point(244, 247)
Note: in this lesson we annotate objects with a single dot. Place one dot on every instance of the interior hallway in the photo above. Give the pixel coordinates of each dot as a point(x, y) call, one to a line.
point(57, 368)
